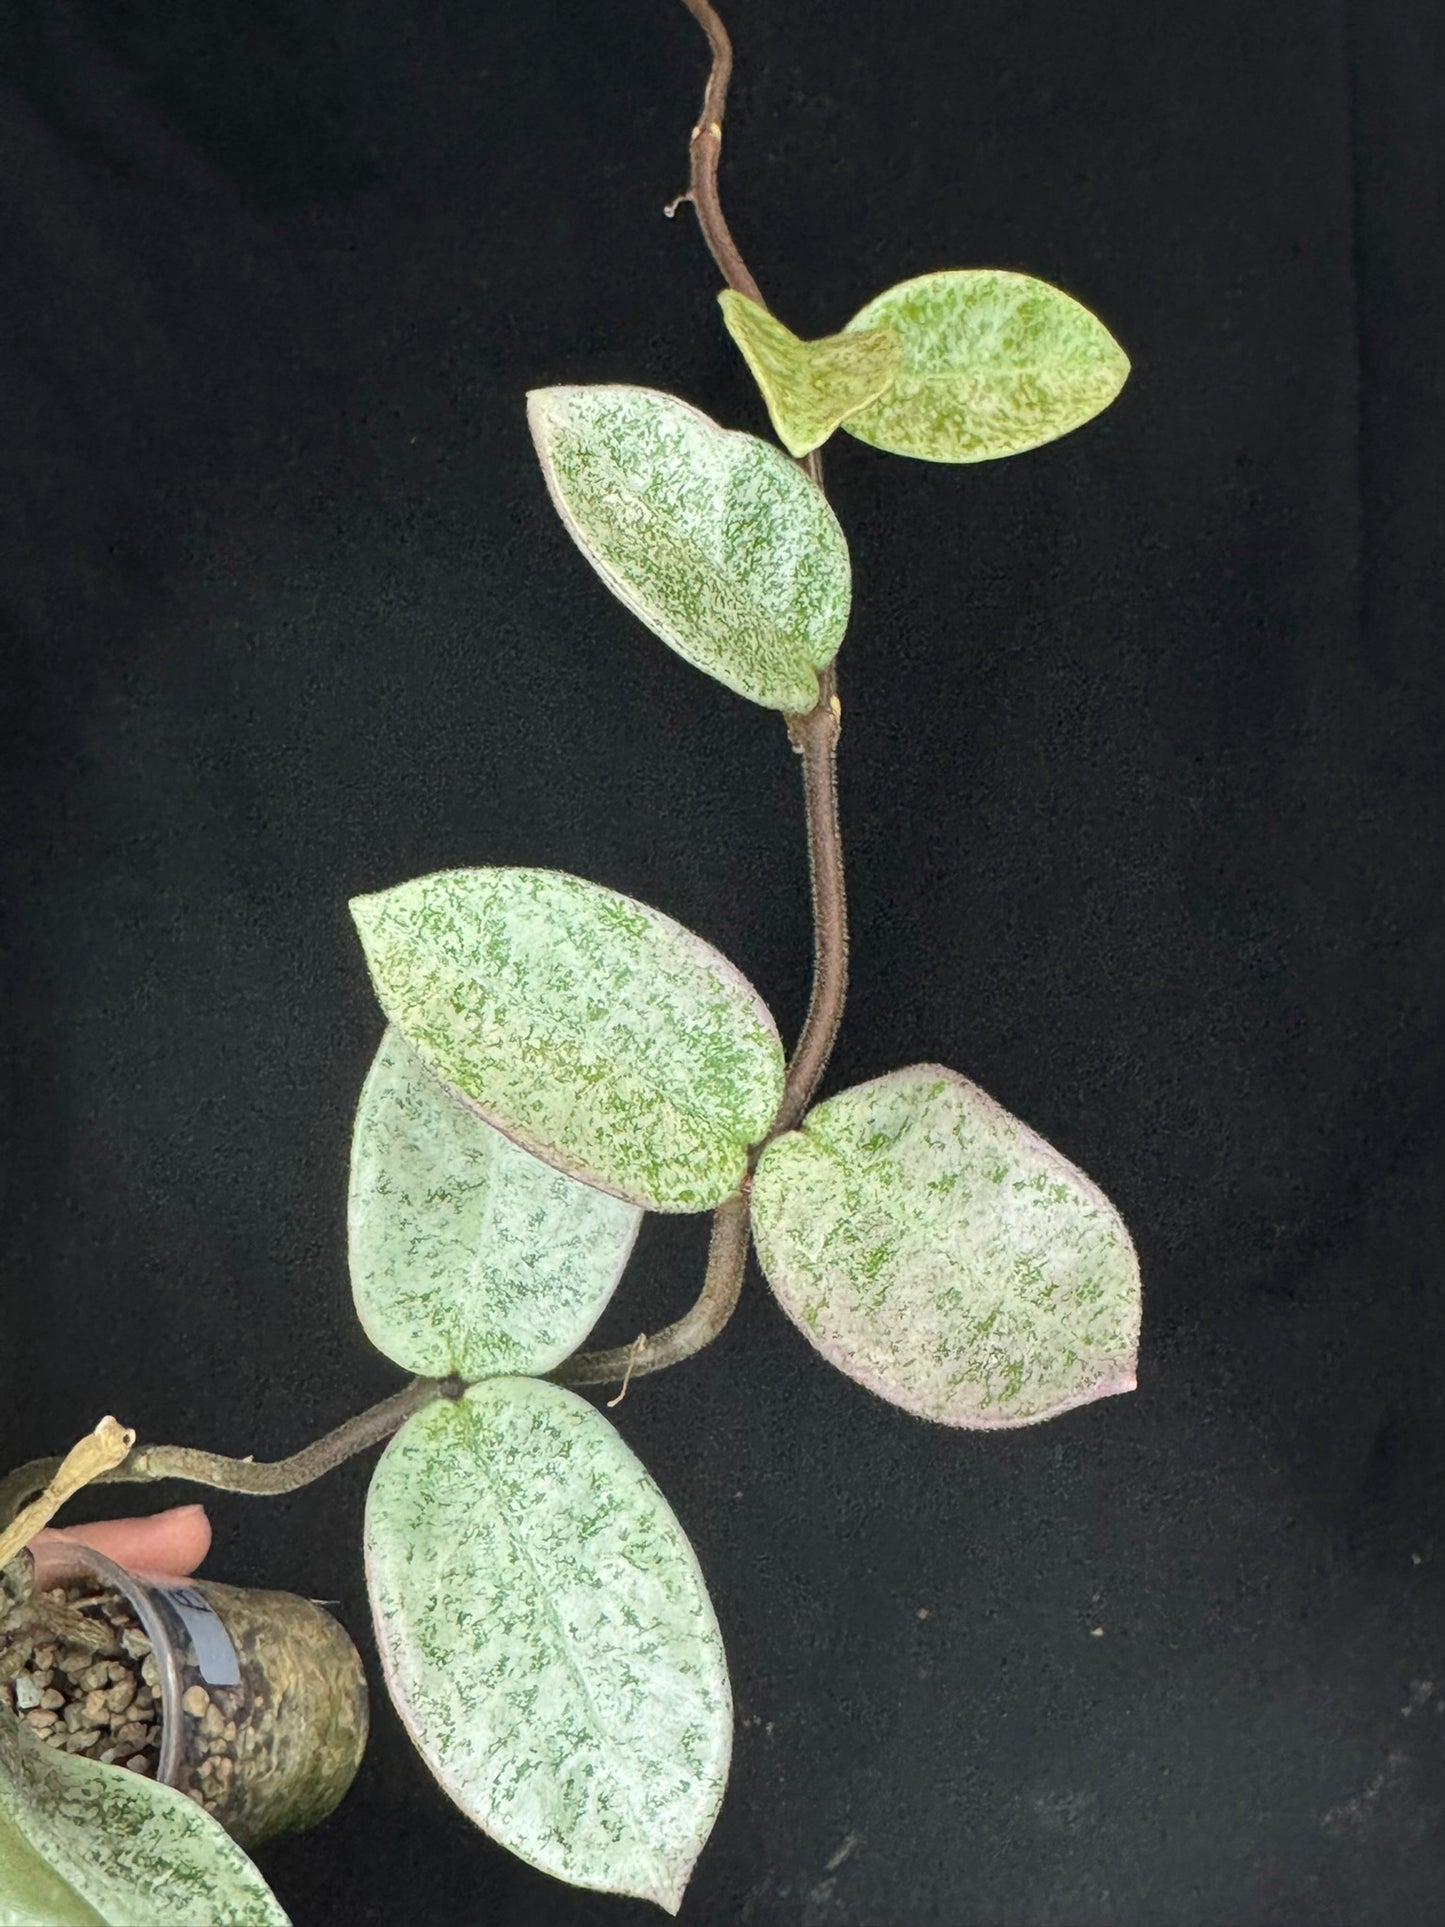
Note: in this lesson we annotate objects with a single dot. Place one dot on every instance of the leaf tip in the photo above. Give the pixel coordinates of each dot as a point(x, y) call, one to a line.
point(541, 410)
point(739, 310)
point(798, 445)
point(366, 915)
point(363, 913)
point(549, 413)
point(666, 1887)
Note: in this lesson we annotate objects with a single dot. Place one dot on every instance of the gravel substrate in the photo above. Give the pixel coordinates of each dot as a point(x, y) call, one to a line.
point(269, 1754)
point(96, 1694)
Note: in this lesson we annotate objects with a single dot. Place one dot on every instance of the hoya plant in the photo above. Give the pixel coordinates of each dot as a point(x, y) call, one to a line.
point(558, 1059)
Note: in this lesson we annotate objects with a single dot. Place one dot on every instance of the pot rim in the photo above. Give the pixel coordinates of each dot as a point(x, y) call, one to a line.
point(82, 1561)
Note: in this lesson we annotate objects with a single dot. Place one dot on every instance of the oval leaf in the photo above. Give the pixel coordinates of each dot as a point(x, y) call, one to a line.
point(82, 1843)
point(938, 1251)
point(714, 539)
point(467, 1254)
point(599, 1034)
point(548, 1639)
point(810, 386)
point(993, 363)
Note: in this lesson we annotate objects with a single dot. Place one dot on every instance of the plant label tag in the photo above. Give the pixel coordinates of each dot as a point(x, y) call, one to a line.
point(215, 1655)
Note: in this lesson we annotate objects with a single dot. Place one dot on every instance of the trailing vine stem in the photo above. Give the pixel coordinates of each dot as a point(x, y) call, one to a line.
point(145, 1464)
point(706, 145)
point(727, 1257)
point(814, 735)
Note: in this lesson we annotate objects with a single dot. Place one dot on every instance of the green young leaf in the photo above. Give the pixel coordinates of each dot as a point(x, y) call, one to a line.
point(938, 1251)
point(547, 1637)
point(993, 363)
point(810, 386)
point(714, 539)
point(83, 1844)
point(600, 1035)
point(467, 1254)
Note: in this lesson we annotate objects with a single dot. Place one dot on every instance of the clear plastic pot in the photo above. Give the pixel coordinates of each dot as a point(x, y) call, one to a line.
point(262, 1696)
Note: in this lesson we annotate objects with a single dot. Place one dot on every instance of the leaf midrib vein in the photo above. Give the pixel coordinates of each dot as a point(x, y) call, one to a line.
point(606, 1743)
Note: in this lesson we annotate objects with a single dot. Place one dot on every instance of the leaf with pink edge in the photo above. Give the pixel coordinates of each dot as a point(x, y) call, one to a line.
point(941, 1253)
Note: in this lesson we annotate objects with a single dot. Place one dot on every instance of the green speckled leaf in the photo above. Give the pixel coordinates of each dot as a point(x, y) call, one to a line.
point(596, 1032)
point(548, 1639)
point(714, 539)
point(938, 1251)
point(993, 363)
point(810, 386)
point(468, 1255)
point(82, 1844)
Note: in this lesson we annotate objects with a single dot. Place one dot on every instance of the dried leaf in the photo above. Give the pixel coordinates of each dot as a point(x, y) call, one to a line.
point(97, 1452)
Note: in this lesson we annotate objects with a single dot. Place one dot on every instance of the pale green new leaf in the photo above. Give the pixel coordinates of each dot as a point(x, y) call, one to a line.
point(938, 1251)
point(718, 542)
point(600, 1035)
point(993, 363)
point(810, 386)
point(547, 1637)
point(468, 1255)
point(84, 1845)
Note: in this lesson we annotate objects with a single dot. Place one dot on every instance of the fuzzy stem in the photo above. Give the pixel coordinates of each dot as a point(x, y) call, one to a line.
point(815, 736)
point(705, 146)
point(727, 1257)
point(147, 1463)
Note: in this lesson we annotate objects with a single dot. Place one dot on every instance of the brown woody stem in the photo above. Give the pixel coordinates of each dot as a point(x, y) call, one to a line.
point(815, 737)
point(727, 1257)
point(706, 146)
point(148, 1463)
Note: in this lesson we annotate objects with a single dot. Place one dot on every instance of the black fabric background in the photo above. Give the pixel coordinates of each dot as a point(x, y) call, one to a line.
point(1141, 774)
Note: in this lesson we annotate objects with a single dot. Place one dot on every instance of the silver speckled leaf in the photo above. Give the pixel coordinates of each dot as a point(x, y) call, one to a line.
point(993, 363)
point(468, 1255)
point(810, 386)
point(599, 1034)
point(718, 542)
point(83, 1844)
point(945, 1256)
point(548, 1638)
